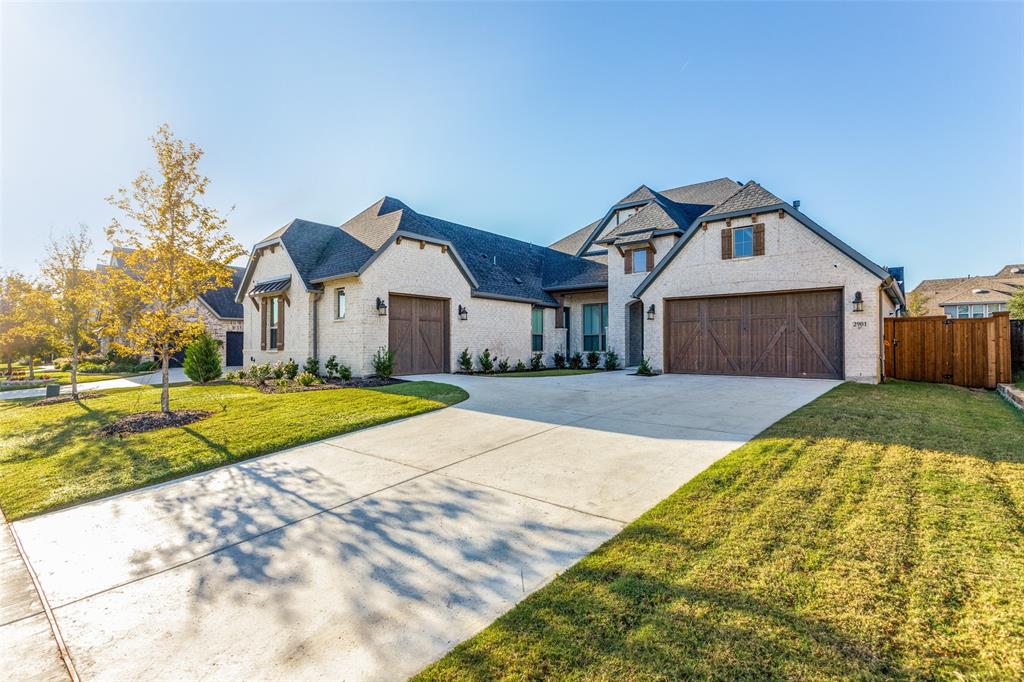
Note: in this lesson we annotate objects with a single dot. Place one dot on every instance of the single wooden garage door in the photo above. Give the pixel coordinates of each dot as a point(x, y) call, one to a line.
point(418, 334)
point(796, 334)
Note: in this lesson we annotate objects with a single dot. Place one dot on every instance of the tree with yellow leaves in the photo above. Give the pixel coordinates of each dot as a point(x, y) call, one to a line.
point(28, 324)
point(174, 249)
point(73, 286)
point(917, 304)
point(14, 289)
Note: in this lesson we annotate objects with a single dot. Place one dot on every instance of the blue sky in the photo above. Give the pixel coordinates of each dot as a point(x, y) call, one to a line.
point(900, 127)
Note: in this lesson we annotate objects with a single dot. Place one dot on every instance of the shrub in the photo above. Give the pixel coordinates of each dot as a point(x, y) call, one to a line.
point(576, 361)
point(90, 368)
point(278, 371)
point(312, 366)
point(593, 357)
point(486, 361)
point(520, 366)
point(307, 379)
point(231, 376)
point(147, 366)
point(611, 360)
point(259, 373)
point(503, 365)
point(559, 359)
point(64, 366)
point(291, 369)
point(383, 362)
point(202, 359)
point(282, 383)
point(465, 361)
point(537, 361)
point(344, 372)
point(645, 368)
point(331, 367)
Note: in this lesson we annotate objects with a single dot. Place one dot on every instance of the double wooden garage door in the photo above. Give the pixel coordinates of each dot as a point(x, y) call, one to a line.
point(418, 334)
point(797, 334)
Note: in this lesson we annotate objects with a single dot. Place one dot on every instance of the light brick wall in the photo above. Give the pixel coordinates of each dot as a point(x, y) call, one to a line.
point(620, 291)
point(297, 339)
point(405, 268)
point(576, 303)
point(795, 258)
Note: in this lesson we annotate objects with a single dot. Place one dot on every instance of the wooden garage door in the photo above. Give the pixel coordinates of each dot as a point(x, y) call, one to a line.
point(797, 334)
point(418, 334)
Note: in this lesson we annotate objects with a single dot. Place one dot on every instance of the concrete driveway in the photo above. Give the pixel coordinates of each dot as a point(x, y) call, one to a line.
point(369, 555)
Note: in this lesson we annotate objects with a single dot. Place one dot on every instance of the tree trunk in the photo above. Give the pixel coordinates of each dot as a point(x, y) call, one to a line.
point(74, 372)
point(31, 367)
point(165, 377)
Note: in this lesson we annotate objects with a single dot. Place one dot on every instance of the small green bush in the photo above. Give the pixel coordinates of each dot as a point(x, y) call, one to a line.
point(291, 369)
point(64, 366)
point(307, 379)
point(486, 361)
point(383, 362)
point(576, 361)
point(611, 360)
point(331, 367)
point(202, 360)
point(537, 361)
point(91, 368)
point(282, 383)
point(146, 366)
point(559, 359)
point(312, 366)
point(645, 368)
point(344, 372)
point(259, 373)
point(503, 366)
point(465, 361)
point(593, 357)
point(520, 366)
point(231, 376)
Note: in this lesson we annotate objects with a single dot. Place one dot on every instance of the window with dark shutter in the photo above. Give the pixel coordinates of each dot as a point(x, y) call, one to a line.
point(280, 322)
point(759, 239)
point(263, 325)
point(726, 244)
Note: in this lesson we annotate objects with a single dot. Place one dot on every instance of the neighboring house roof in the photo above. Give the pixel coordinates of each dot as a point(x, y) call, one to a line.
point(997, 288)
point(571, 244)
point(495, 265)
point(222, 301)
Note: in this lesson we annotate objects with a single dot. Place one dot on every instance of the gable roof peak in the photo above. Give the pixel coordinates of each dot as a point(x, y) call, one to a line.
point(749, 196)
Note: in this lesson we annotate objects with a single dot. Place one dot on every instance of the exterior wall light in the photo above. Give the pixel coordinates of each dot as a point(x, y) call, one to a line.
point(382, 307)
point(650, 312)
point(463, 312)
point(858, 303)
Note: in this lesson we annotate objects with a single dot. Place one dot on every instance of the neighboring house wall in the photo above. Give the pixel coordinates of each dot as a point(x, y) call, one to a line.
point(405, 268)
point(297, 338)
point(794, 258)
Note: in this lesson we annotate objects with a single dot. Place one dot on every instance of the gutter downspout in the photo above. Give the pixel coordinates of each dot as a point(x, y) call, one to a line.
point(315, 296)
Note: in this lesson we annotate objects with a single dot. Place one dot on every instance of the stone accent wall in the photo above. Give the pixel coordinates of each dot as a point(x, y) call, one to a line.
point(794, 258)
point(218, 327)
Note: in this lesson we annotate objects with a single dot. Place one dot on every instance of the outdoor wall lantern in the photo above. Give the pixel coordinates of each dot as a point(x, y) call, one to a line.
point(382, 307)
point(463, 312)
point(858, 303)
point(650, 312)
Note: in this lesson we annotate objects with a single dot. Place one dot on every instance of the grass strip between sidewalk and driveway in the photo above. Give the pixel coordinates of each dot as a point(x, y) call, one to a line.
point(876, 533)
point(51, 457)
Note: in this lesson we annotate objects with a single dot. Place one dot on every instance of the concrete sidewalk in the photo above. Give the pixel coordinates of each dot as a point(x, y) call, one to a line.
point(369, 555)
point(177, 375)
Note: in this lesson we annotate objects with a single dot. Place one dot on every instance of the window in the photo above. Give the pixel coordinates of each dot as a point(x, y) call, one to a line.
point(978, 310)
point(742, 242)
point(640, 257)
point(537, 324)
point(339, 306)
point(273, 320)
point(595, 326)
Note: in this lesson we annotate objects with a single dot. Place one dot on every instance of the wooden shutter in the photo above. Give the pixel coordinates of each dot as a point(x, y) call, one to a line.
point(650, 258)
point(628, 262)
point(263, 325)
point(726, 244)
point(759, 239)
point(280, 323)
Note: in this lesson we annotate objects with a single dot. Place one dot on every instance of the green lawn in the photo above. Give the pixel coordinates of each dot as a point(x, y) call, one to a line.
point(50, 458)
point(546, 373)
point(876, 533)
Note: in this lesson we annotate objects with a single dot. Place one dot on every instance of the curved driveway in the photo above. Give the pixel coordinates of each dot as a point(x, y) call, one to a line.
point(369, 555)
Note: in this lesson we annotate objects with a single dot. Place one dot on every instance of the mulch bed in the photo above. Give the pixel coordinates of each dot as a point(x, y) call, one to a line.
point(141, 422)
point(329, 384)
point(56, 400)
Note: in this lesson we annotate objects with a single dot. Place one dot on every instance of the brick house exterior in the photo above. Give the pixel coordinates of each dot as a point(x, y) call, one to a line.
point(428, 288)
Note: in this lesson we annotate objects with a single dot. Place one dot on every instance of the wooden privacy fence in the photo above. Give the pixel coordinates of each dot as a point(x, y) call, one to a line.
point(966, 352)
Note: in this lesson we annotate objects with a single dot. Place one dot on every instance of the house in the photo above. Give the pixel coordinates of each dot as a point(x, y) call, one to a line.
point(715, 277)
point(977, 296)
point(221, 314)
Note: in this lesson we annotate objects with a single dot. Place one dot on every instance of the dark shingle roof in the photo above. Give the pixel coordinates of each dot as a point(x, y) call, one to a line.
point(750, 196)
point(222, 300)
point(501, 266)
point(711, 192)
